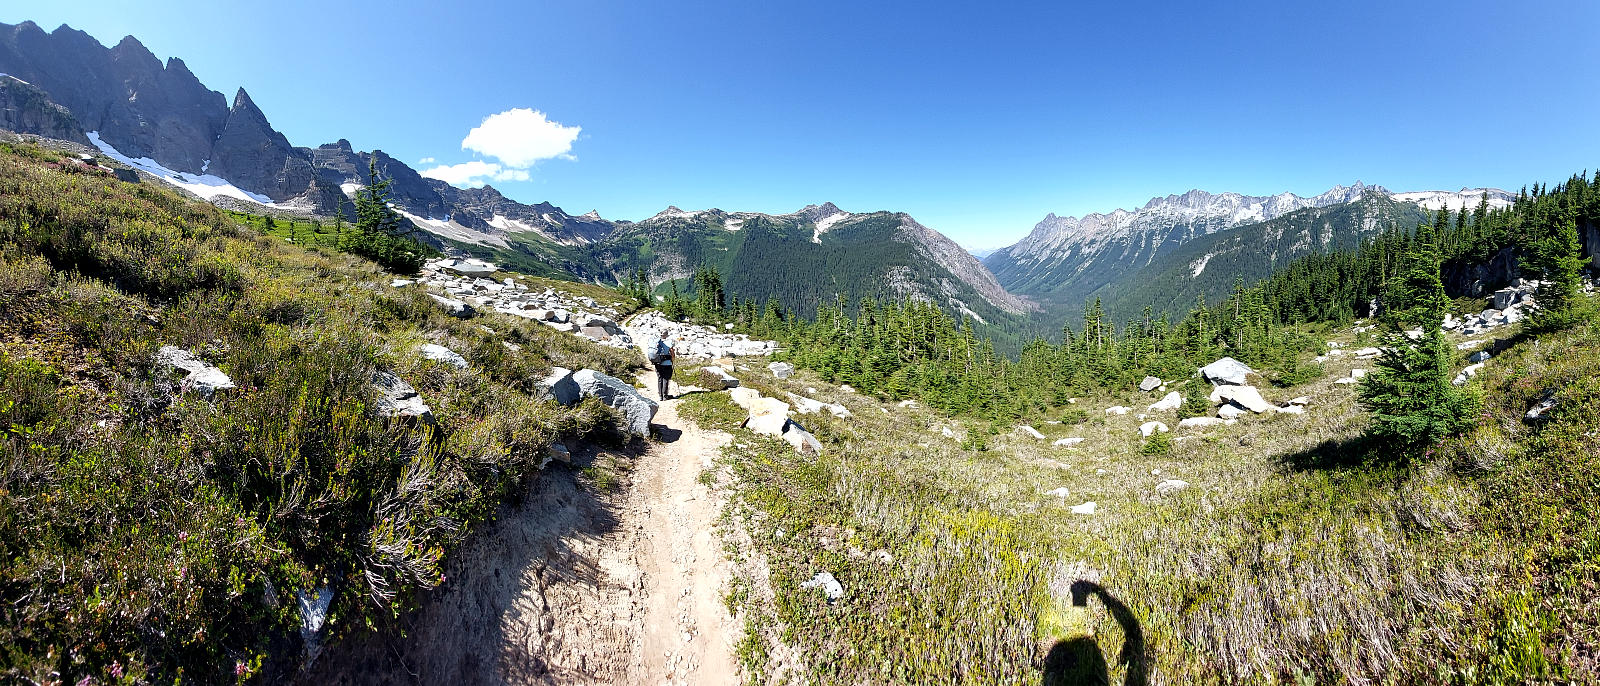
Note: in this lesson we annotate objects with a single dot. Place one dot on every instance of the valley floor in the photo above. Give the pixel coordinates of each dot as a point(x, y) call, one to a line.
point(607, 572)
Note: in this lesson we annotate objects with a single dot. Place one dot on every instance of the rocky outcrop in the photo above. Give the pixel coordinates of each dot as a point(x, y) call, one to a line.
point(26, 109)
point(1246, 397)
point(252, 155)
point(198, 376)
point(693, 341)
point(396, 398)
point(441, 354)
point(636, 410)
point(559, 387)
point(1227, 371)
point(1477, 279)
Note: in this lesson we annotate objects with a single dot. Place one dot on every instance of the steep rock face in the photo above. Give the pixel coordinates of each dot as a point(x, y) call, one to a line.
point(1478, 280)
point(946, 253)
point(124, 92)
point(255, 157)
point(26, 109)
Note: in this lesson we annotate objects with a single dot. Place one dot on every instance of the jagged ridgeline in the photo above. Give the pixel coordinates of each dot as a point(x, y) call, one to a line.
point(803, 260)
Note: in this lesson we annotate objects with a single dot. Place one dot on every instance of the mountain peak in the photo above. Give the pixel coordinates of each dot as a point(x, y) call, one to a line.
point(241, 100)
point(672, 212)
point(817, 213)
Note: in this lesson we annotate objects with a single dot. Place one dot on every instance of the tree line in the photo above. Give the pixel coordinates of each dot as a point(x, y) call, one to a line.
point(911, 349)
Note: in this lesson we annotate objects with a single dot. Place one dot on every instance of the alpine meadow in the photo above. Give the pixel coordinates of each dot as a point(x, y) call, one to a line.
point(278, 414)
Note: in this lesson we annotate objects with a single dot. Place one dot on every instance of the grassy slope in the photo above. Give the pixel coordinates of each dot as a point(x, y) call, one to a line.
point(151, 532)
point(1297, 555)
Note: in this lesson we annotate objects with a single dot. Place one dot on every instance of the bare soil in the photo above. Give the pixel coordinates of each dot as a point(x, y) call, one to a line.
point(576, 585)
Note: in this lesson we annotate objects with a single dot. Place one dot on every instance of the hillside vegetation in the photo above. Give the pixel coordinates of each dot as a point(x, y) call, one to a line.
point(1296, 551)
point(149, 533)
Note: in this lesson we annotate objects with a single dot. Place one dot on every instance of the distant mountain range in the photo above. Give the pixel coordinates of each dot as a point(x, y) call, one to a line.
point(1066, 260)
point(159, 118)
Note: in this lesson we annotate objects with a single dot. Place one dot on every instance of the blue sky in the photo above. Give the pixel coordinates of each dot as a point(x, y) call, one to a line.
point(977, 118)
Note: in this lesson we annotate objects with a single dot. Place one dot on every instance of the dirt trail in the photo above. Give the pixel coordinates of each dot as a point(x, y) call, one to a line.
point(688, 637)
point(575, 585)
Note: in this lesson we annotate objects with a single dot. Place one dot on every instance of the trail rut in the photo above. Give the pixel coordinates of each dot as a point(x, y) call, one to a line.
point(576, 585)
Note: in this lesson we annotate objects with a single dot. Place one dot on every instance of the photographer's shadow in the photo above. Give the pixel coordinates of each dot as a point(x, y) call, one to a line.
point(1079, 661)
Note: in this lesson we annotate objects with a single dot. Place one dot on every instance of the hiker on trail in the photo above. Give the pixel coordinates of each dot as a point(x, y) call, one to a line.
point(662, 356)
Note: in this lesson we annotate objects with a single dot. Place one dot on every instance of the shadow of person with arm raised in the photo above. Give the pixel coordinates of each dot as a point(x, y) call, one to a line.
point(1078, 661)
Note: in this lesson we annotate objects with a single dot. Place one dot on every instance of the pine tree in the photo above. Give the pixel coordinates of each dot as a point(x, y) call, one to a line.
point(1560, 258)
point(379, 235)
point(1409, 393)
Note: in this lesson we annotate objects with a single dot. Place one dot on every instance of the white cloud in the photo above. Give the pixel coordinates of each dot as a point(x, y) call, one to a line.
point(515, 139)
point(520, 137)
point(469, 174)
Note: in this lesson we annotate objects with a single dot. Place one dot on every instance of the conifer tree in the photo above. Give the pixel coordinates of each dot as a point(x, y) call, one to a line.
point(1559, 257)
point(379, 235)
point(1409, 393)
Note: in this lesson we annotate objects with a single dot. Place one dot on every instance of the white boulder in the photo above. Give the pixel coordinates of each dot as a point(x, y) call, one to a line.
point(1171, 486)
point(1199, 423)
point(396, 398)
point(1171, 401)
point(1231, 412)
point(636, 409)
point(559, 387)
point(717, 378)
point(1246, 397)
point(439, 353)
point(198, 376)
point(1149, 428)
point(828, 584)
point(1227, 371)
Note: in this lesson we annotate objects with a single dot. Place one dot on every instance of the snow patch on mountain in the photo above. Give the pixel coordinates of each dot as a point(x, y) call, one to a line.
point(825, 223)
point(449, 228)
point(1199, 265)
point(733, 223)
point(206, 186)
point(510, 225)
point(1456, 200)
point(672, 212)
point(350, 189)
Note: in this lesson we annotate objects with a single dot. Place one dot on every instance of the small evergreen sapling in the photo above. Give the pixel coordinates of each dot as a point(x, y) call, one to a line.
point(1409, 392)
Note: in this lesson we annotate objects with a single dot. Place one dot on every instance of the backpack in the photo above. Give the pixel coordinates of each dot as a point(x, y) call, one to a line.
point(662, 352)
